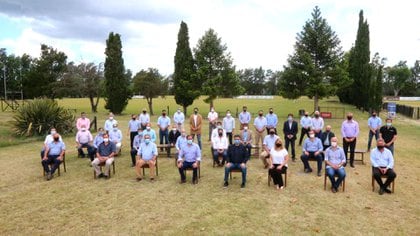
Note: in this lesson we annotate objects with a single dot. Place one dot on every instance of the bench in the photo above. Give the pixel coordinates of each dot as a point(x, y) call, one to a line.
point(362, 155)
point(167, 148)
point(255, 151)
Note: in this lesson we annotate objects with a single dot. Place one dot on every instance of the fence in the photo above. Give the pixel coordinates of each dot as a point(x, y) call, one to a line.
point(410, 112)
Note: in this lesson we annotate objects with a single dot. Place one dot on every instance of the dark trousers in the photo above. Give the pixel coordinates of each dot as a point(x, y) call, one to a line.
point(163, 135)
point(186, 165)
point(390, 177)
point(276, 174)
point(229, 135)
point(248, 147)
point(132, 136)
point(371, 134)
point(292, 143)
point(303, 132)
point(352, 146)
point(90, 150)
point(52, 159)
point(133, 153)
point(235, 166)
point(305, 160)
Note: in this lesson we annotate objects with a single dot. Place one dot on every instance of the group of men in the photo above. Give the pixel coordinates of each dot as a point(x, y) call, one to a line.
point(234, 149)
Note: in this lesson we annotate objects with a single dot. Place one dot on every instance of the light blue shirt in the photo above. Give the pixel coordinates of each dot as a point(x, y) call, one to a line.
point(55, 148)
point(312, 146)
point(382, 159)
point(335, 157)
point(350, 129)
point(147, 151)
point(138, 139)
point(270, 140)
point(98, 140)
point(163, 122)
point(180, 142)
point(151, 133)
point(271, 120)
point(115, 136)
point(179, 118)
point(228, 124)
point(305, 122)
point(144, 118)
point(244, 117)
point(317, 123)
point(191, 153)
point(374, 122)
point(133, 125)
point(260, 122)
point(109, 124)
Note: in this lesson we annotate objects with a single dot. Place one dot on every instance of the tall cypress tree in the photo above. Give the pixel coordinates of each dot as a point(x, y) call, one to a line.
point(117, 90)
point(185, 84)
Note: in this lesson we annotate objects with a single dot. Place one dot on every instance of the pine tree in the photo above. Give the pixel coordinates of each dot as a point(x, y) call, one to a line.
point(117, 92)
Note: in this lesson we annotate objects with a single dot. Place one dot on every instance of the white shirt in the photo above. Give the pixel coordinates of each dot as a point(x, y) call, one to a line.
point(228, 124)
point(220, 143)
point(179, 117)
point(278, 157)
point(212, 116)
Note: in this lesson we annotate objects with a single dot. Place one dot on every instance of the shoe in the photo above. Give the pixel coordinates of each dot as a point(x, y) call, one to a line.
point(183, 181)
point(387, 190)
point(308, 170)
point(49, 176)
point(294, 159)
point(106, 177)
point(138, 179)
point(319, 173)
point(195, 181)
point(243, 185)
point(101, 175)
point(381, 191)
point(334, 190)
point(152, 179)
point(351, 165)
point(225, 184)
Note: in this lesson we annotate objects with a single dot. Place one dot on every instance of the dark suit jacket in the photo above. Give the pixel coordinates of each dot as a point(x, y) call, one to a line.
point(287, 130)
point(324, 136)
point(173, 136)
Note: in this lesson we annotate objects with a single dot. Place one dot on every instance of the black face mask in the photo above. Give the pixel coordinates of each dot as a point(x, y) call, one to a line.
point(349, 117)
point(163, 114)
point(316, 116)
point(133, 118)
point(144, 112)
point(271, 132)
point(380, 147)
point(220, 134)
point(271, 112)
point(278, 144)
point(56, 139)
point(244, 110)
point(306, 115)
point(374, 115)
point(195, 112)
point(260, 114)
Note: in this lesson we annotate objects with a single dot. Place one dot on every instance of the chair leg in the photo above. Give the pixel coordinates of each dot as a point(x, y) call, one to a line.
point(373, 184)
point(113, 167)
point(325, 182)
point(344, 184)
point(393, 185)
point(269, 179)
point(285, 179)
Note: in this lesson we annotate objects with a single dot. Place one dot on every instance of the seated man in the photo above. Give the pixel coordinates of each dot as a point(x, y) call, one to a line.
point(312, 148)
point(326, 137)
point(138, 139)
point(181, 141)
point(237, 156)
point(246, 138)
point(53, 154)
point(220, 145)
point(383, 163)
point(268, 144)
point(48, 139)
point(189, 156)
point(214, 132)
point(84, 139)
point(146, 154)
point(96, 142)
point(335, 160)
point(115, 136)
point(173, 136)
point(104, 154)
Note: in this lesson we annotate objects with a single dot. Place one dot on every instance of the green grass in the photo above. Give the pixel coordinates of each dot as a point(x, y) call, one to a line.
point(74, 203)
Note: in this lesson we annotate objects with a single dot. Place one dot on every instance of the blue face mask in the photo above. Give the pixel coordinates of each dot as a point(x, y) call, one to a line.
point(147, 141)
point(237, 141)
point(139, 133)
point(189, 141)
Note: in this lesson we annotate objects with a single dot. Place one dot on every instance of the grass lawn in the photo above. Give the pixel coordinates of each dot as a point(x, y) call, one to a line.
point(74, 203)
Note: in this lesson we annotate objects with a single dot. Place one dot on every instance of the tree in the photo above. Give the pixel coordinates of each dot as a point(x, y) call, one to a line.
point(273, 82)
point(253, 80)
point(150, 84)
point(314, 69)
point(398, 76)
point(214, 68)
point(12, 69)
point(375, 98)
point(117, 92)
point(186, 87)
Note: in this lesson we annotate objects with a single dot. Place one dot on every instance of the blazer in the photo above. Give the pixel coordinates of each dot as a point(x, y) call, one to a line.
point(173, 136)
point(197, 126)
point(249, 138)
point(324, 136)
point(287, 130)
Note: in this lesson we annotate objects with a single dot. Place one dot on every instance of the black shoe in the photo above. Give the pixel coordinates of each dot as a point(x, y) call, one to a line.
point(225, 184)
point(334, 190)
point(351, 165)
point(152, 179)
point(101, 175)
point(195, 181)
point(387, 190)
point(183, 181)
point(49, 176)
point(293, 159)
point(106, 177)
point(243, 185)
point(138, 179)
point(381, 191)
point(308, 170)
point(319, 173)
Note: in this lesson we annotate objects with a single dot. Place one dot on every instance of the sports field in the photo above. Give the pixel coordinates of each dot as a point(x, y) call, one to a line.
point(76, 204)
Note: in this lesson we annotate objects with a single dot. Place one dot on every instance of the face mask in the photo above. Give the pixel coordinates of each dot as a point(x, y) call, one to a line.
point(374, 115)
point(311, 135)
point(147, 141)
point(219, 127)
point(306, 115)
point(111, 118)
point(278, 144)
point(220, 134)
point(174, 130)
point(83, 129)
point(139, 133)
point(148, 128)
point(271, 112)
point(380, 147)
point(237, 141)
point(100, 133)
point(271, 132)
point(289, 118)
point(133, 118)
point(244, 110)
point(195, 112)
point(349, 117)
point(178, 111)
point(316, 116)
point(388, 124)
point(106, 140)
point(163, 114)
point(189, 141)
point(115, 129)
point(144, 112)
point(260, 114)
point(334, 144)
point(183, 134)
point(53, 132)
point(245, 128)
point(212, 110)
point(56, 139)
point(228, 115)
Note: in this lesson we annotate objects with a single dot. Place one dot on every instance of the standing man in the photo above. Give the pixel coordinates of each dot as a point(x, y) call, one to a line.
point(383, 164)
point(268, 144)
point(144, 118)
point(260, 123)
point(237, 157)
point(84, 139)
point(244, 117)
point(133, 127)
point(212, 117)
point(271, 121)
point(374, 124)
point(163, 123)
point(326, 137)
point(305, 123)
point(83, 121)
point(389, 134)
point(54, 153)
point(147, 154)
point(220, 146)
point(312, 148)
point(179, 119)
point(335, 160)
point(349, 131)
point(109, 123)
point(317, 124)
point(189, 157)
point(196, 121)
point(105, 153)
point(290, 129)
point(229, 125)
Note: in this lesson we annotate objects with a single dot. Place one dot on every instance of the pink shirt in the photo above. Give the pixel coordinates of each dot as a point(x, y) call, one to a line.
point(81, 122)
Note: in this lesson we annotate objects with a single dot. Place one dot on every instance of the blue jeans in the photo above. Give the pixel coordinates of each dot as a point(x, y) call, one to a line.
point(216, 156)
point(371, 136)
point(235, 166)
point(163, 134)
point(198, 139)
point(341, 175)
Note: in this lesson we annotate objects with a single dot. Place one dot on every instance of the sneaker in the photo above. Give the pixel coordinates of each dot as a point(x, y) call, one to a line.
point(243, 185)
point(225, 184)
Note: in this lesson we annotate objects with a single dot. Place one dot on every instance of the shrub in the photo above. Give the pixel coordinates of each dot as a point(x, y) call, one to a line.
point(39, 115)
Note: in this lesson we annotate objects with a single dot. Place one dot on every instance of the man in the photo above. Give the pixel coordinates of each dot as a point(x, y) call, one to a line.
point(150, 132)
point(215, 134)
point(271, 121)
point(305, 123)
point(244, 117)
point(147, 154)
point(212, 117)
point(163, 123)
point(173, 135)
point(110, 122)
point(83, 121)
point(383, 164)
point(104, 154)
point(54, 154)
point(389, 134)
point(350, 131)
point(335, 160)
point(326, 137)
point(96, 142)
point(290, 129)
point(144, 119)
point(84, 139)
point(220, 146)
point(181, 141)
point(374, 124)
point(179, 119)
point(189, 157)
point(196, 121)
point(260, 123)
point(246, 138)
point(237, 157)
point(115, 136)
point(317, 124)
point(133, 126)
point(312, 148)
point(48, 139)
point(229, 125)
point(138, 139)
point(268, 144)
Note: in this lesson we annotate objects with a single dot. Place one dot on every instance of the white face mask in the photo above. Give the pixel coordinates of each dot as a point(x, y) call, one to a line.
point(106, 140)
point(148, 128)
point(53, 132)
point(111, 118)
point(228, 115)
point(245, 128)
point(311, 135)
point(334, 144)
point(83, 129)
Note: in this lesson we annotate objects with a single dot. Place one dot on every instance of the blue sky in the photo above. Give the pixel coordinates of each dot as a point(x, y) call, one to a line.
point(256, 32)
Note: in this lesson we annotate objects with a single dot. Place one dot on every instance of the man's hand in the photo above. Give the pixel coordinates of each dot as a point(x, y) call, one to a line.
point(179, 164)
point(45, 158)
point(228, 164)
point(383, 170)
point(306, 153)
point(316, 153)
point(60, 158)
point(243, 165)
